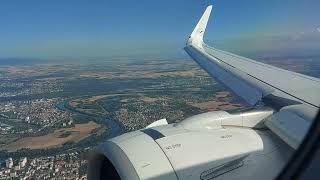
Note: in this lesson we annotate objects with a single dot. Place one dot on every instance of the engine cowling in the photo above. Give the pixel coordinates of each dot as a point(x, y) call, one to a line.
point(201, 147)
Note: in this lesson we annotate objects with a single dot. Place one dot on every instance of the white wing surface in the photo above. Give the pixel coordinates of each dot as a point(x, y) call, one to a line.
point(294, 96)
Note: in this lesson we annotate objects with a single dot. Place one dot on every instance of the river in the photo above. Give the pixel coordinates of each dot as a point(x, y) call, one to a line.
point(115, 126)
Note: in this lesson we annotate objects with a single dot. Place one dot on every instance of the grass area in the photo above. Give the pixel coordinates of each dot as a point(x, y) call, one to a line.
point(6, 139)
point(18, 125)
point(81, 119)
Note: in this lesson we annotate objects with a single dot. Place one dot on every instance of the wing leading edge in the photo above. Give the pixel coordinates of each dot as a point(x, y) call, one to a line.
point(293, 95)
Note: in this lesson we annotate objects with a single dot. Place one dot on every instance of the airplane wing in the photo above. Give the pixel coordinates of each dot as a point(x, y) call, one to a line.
point(294, 96)
point(251, 144)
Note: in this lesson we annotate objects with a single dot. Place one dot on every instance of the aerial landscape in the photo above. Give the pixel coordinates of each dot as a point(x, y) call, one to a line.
point(55, 113)
point(56, 109)
point(73, 75)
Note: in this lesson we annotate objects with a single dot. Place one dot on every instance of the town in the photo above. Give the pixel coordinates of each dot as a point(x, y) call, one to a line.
point(32, 116)
point(61, 166)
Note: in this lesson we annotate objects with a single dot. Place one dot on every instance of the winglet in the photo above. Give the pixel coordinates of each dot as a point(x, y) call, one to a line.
point(196, 38)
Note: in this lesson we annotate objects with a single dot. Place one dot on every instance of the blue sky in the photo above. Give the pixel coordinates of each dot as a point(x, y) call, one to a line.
point(104, 28)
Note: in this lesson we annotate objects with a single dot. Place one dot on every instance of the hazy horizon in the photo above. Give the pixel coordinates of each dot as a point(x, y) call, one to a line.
point(79, 29)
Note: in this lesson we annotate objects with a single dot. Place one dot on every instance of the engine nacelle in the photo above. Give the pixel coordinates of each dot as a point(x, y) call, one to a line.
point(201, 147)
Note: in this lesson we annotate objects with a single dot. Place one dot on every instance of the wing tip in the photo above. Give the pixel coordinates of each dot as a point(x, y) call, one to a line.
point(196, 36)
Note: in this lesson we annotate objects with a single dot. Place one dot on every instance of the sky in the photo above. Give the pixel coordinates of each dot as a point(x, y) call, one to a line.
point(106, 28)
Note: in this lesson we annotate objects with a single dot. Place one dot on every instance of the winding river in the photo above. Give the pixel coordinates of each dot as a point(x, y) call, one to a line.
point(115, 126)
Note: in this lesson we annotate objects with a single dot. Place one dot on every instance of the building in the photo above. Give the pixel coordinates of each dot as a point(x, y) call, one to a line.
point(9, 163)
point(23, 162)
point(17, 167)
point(70, 122)
point(13, 174)
point(27, 119)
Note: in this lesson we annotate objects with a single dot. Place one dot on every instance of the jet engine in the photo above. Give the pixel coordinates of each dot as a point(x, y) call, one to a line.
point(213, 145)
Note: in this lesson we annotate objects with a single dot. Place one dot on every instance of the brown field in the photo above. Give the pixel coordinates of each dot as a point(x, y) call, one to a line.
point(215, 106)
point(77, 133)
point(101, 75)
point(149, 99)
point(222, 94)
point(152, 100)
point(20, 70)
point(96, 98)
point(189, 73)
point(74, 103)
point(134, 73)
